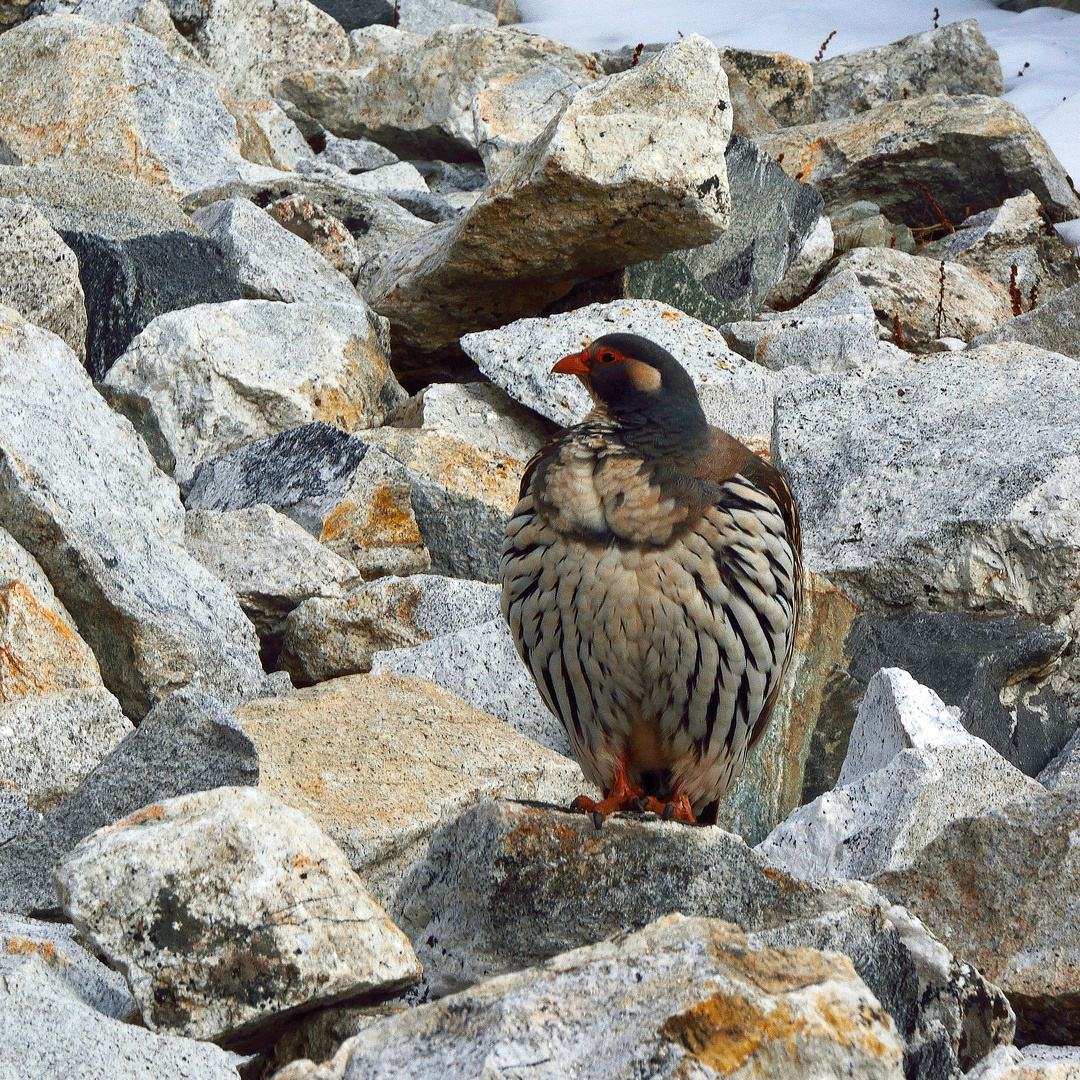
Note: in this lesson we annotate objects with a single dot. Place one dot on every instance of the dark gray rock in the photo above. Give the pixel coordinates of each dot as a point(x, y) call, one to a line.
point(187, 743)
point(353, 14)
point(507, 885)
point(16, 816)
point(1054, 325)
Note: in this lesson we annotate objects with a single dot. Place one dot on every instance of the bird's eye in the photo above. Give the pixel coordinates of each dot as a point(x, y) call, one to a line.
point(606, 357)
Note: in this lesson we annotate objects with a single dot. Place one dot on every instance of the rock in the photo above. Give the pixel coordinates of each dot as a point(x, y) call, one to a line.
point(1033, 1062)
point(902, 499)
point(353, 14)
point(835, 329)
point(1054, 325)
point(736, 395)
point(12, 12)
point(861, 225)
point(810, 260)
point(55, 946)
point(912, 305)
point(81, 493)
point(480, 664)
point(251, 47)
point(485, 416)
point(911, 771)
point(39, 274)
point(217, 377)
point(16, 816)
point(270, 562)
point(507, 885)
point(353, 497)
point(415, 94)
point(270, 262)
point(109, 105)
point(355, 156)
point(953, 59)
point(692, 983)
point(188, 742)
point(324, 232)
point(663, 173)
point(49, 742)
point(428, 16)
point(998, 888)
point(462, 498)
point(51, 1032)
point(327, 638)
point(139, 255)
point(228, 911)
point(947, 1014)
point(967, 152)
point(772, 218)
point(781, 84)
point(380, 762)
point(1064, 770)
point(1016, 246)
point(267, 135)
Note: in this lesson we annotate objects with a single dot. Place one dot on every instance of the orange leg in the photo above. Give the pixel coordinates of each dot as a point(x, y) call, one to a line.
point(622, 795)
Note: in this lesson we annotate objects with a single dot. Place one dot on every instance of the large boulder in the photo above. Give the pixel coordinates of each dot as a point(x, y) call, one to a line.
point(80, 491)
point(1053, 325)
point(636, 162)
point(960, 153)
point(88, 94)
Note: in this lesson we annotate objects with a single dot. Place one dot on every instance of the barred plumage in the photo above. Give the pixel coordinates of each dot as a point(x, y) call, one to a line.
point(653, 590)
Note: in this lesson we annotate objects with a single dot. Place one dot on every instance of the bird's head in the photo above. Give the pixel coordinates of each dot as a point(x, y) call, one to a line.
point(637, 383)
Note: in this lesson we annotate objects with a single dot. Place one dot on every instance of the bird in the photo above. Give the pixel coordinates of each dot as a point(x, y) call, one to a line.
point(652, 581)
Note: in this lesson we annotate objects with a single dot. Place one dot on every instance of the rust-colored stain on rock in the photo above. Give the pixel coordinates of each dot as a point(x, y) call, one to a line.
point(387, 519)
point(19, 946)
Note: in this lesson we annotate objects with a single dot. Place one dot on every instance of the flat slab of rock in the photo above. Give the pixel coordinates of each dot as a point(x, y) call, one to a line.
point(218, 376)
point(639, 159)
point(968, 152)
point(506, 885)
point(83, 495)
point(328, 638)
point(486, 416)
point(662, 1001)
point(104, 97)
point(381, 761)
point(187, 743)
point(999, 889)
point(736, 394)
point(1053, 325)
point(953, 59)
point(228, 910)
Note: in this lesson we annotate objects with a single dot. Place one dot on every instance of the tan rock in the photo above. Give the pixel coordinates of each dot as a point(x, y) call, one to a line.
point(324, 232)
point(267, 136)
point(381, 761)
point(636, 167)
point(966, 153)
point(782, 85)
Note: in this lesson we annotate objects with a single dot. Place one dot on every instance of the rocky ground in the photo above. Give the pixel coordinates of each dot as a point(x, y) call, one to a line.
point(280, 289)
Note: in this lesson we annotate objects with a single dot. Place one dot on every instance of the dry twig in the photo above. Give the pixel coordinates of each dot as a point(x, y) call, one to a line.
point(824, 45)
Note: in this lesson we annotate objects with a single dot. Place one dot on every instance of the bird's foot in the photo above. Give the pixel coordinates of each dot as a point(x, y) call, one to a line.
point(625, 797)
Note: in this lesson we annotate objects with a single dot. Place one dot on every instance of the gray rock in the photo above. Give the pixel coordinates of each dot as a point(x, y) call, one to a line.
point(81, 493)
point(54, 944)
point(911, 770)
point(415, 94)
point(947, 1014)
point(810, 260)
point(967, 152)
point(506, 885)
point(220, 376)
point(353, 497)
point(1015, 245)
point(270, 262)
point(835, 329)
point(328, 638)
point(999, 889)
point(16, 815)
point(953, 59)
point(898, 507)
point(50, 742)
point(354, 14)
point(1064, 770)
point(658, 1002)
point(485, 416)
point(1053, 325)
point(39, 274)
point(781, 84)
point(270, 562)
point(267, 135)
point(188, 742)
point(736, 394)
point(428, 16)
point(49, 1032)
point(193, 894)
point(663, 183)
point(324, 232)
point(861, 225)
point(481, 665)
point(356, 156)
point(1034, 1061)
point(111, 104)
point(772, 217)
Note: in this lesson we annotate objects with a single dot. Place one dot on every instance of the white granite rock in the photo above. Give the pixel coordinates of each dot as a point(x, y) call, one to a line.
point(486, 416)
point(428, 16)
point(267, 135)
point(228, 909)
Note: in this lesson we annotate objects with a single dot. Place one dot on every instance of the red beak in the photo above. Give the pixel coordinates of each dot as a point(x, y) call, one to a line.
point(574, 364)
